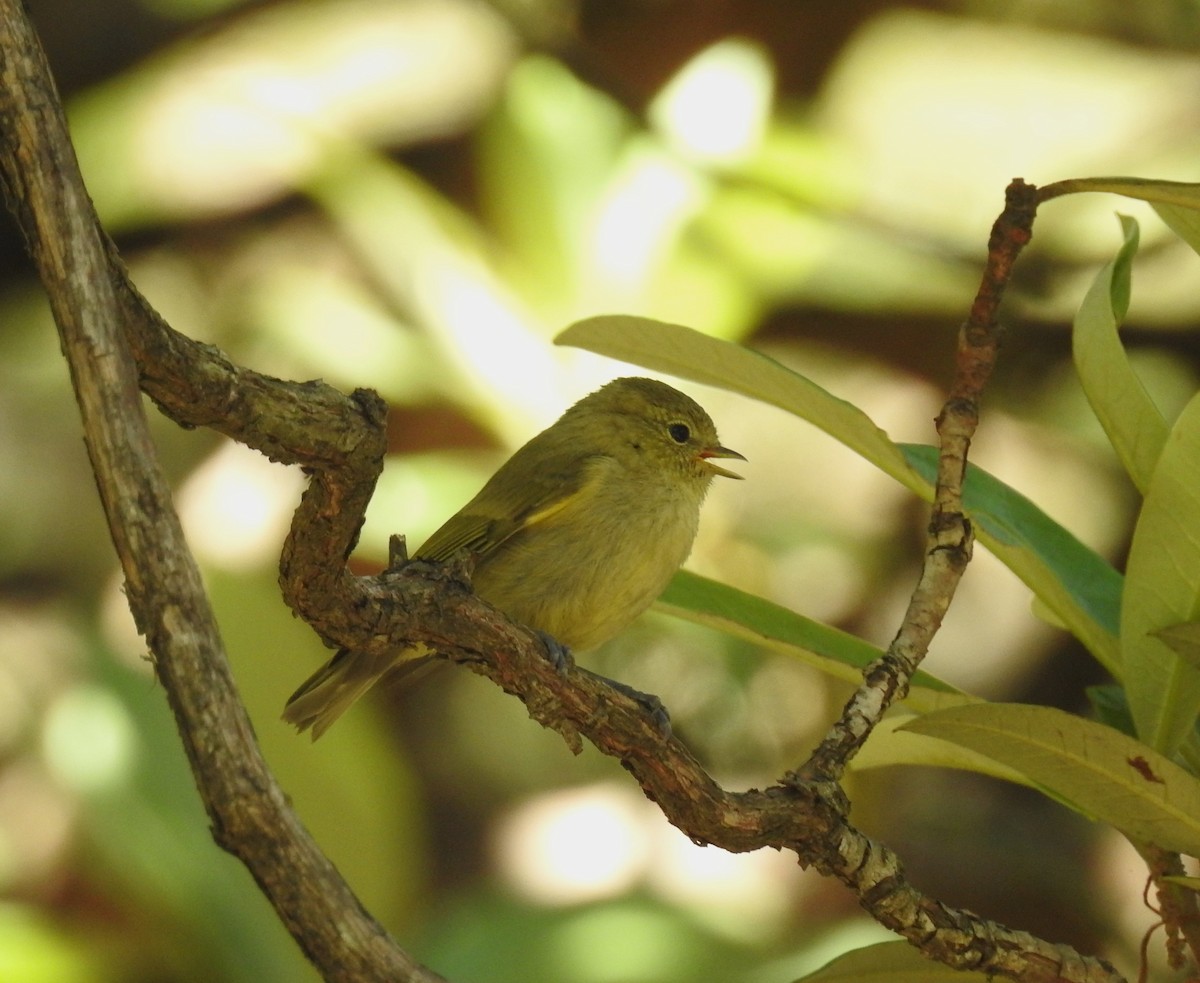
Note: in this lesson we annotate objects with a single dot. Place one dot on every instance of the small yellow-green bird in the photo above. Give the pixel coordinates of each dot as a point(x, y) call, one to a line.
point(575, 535)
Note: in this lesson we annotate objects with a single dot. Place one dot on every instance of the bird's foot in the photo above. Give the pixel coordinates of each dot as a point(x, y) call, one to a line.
point(653, 706)
point(558, 654)
point(560, 657)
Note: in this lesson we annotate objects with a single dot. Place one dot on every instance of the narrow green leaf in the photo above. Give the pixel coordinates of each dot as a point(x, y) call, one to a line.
point(1184, 641)
point(1178, 193)
point(1134, 425)
point(832, 651)
point(689, 354)
point(1099, 771)
point(888, 962)
point(1162, 589)
point(1177, 203)
point(1079, 587)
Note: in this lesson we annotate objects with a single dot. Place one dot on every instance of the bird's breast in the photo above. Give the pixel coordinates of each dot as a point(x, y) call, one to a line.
point(585, 573)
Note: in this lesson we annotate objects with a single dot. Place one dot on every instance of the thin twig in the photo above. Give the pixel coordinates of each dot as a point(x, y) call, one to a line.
point(1177, 905)
point(950, 537)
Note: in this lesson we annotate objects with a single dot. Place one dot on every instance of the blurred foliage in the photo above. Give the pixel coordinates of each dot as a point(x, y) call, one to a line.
point(416, 195)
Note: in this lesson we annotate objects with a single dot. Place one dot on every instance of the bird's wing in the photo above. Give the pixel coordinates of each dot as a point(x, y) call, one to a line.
point(530, 488)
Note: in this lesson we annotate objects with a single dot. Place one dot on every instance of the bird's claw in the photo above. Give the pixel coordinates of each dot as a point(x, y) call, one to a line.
point(558, 654)
point(653, 706)
point(560, 657)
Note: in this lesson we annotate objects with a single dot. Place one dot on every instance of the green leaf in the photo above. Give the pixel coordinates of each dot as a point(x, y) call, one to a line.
point(1074, 583)
point(835, 652)
point(1191, 883)
point(1184, 222)
point(1133, 423)
point(1162, 590)
point(1184, 641)
point(1176, 193)
point(1177, 203)
point(1078, 586)
point(1110, 706)
point(1098, 771)
point(888, 962)
point(689, 354)
point(891, 744)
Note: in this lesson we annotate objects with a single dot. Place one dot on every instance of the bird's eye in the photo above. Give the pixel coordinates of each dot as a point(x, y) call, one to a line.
point(679, 432)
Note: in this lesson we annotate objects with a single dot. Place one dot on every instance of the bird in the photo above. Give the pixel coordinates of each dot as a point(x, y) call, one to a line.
point(574, 536)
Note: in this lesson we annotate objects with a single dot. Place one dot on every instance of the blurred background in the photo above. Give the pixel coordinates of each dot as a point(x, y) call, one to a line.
point(415, 196)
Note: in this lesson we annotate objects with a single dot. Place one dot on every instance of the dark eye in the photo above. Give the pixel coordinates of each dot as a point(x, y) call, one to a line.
point(679, 432)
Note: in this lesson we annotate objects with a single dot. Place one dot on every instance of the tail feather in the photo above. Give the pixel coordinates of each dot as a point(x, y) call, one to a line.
point(330, 691)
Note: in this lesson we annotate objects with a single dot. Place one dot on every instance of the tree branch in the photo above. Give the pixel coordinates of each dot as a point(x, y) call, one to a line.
point(248, 810)
point(339, 440)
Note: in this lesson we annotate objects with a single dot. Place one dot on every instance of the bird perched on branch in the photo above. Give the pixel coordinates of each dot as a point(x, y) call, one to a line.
point(574, 536)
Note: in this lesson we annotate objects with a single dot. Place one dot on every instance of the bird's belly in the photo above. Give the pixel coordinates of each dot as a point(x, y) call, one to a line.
point(584, 596)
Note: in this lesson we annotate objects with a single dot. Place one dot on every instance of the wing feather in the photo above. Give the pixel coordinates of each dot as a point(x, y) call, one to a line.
point(538, 482)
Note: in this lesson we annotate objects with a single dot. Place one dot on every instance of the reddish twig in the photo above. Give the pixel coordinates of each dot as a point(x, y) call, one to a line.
point(950, 537)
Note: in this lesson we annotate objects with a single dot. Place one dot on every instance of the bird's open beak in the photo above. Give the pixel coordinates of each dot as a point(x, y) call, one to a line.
point(718, 451)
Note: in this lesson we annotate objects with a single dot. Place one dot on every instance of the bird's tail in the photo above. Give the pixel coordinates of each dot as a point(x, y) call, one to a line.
point(330, 691)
